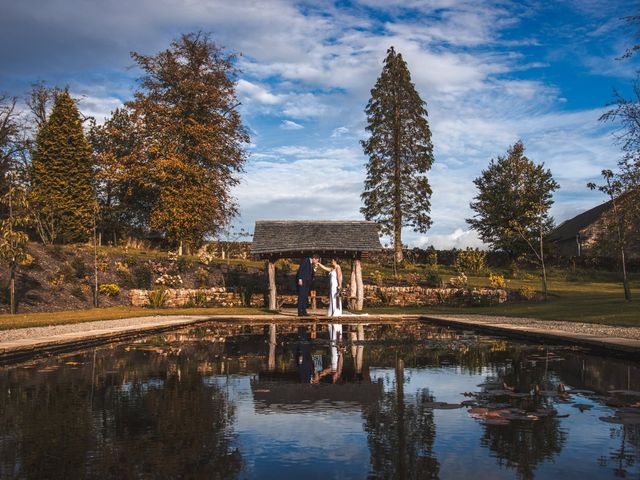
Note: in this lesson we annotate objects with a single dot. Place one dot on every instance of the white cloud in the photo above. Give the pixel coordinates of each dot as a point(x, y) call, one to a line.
point(289, 125)
point(338, 132)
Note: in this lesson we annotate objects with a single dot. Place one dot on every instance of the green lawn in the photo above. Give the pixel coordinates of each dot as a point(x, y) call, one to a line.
point(595, 297)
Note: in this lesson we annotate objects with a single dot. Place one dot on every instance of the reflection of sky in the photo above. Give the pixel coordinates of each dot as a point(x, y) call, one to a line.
point(328, 442)
point(324, 443)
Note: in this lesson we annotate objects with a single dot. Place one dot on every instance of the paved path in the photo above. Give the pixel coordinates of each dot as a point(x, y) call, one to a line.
point(619, 339)
point(25, 342)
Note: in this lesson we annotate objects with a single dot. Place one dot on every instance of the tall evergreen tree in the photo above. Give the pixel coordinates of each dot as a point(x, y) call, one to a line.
point(397, 192)
point(62, 191)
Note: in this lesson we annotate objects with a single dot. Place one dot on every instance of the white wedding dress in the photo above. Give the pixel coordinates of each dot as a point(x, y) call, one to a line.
point(335, 302)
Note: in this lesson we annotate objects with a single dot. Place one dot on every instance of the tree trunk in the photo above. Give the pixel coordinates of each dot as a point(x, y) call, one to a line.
point(397, 186)
point(272, 347)
point(12, 287)
point(625, 279)
point(359, 285)
point(544, 270)
point(95, 266)
point(180, 249)
point(271, 273)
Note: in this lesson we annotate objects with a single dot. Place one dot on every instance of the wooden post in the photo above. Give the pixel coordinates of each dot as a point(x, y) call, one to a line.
point(359, 284)
point(314, 300)
point(354, 287)
point(271, 272)
point(272, 347)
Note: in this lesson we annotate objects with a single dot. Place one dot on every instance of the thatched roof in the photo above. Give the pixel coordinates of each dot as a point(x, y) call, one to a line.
point(568, 229)
point(299, 238)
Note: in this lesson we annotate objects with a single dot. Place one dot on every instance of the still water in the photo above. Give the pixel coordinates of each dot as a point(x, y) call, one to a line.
point(409, 400)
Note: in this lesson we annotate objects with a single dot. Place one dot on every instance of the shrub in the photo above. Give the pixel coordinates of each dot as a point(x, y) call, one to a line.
point(386, 298)
point(78, 292)
point(245, 294)
point(470, 260)
point(201, 278)
point(102, 262)
point(378, 277)
point(109, 289)
point(497, 281)
point(206, 257)
point(183, 264)
point(412, 279)
point(80, 269)
point(459, 282)
point(28, 262)
point(141, 276)
point(171, 281)
point(157, 298)
point(432, 257)
point(433, 280)
point(198, 299)
point(526, 292)
point(56, 281)
point(56, 252)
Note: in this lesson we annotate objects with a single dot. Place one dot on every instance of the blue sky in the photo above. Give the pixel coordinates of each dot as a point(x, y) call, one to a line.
point(490, 72)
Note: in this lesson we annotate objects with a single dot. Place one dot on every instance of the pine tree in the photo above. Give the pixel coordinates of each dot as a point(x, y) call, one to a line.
point(397, 192)
point(62, 192)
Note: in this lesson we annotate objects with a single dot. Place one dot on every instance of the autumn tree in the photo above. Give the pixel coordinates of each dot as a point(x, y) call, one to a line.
point(61, 176)
point(512, 205)
point(172, 154)
point(621, 219)
point(10, 143)
point(397, 193)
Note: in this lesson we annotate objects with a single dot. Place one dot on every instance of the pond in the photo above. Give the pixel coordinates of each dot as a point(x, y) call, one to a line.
point(409, 400)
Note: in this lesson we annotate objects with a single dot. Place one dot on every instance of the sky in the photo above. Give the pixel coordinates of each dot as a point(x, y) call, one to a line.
point(490, 72)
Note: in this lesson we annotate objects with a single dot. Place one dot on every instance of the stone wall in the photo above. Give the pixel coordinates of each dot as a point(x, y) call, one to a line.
point(373, 296)
point(419, 296)
point(209, 297)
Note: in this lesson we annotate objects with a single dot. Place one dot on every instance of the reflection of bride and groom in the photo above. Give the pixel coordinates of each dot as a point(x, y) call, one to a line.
point(310, 367)
point(304, 277)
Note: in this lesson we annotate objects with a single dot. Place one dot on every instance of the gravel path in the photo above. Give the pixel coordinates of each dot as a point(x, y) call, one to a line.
point(35, 332)
point(570, 327)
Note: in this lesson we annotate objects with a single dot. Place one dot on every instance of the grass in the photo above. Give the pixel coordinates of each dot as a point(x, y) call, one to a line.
point(42, 319)
point(582, 296)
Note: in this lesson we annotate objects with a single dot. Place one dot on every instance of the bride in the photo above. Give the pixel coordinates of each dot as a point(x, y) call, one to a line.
point(335, 286)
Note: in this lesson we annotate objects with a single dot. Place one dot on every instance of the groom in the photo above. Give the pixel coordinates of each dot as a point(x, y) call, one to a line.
point(303, 282)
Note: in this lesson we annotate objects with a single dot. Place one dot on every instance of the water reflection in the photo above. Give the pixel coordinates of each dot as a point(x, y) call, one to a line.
point(380, 401)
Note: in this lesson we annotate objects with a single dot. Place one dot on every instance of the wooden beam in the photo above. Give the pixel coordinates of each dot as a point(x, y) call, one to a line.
point(359, 284)
point(354, 287)
point(273, 292)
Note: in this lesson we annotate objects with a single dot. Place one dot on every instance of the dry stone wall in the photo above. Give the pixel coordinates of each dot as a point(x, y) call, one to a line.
point(209, 297)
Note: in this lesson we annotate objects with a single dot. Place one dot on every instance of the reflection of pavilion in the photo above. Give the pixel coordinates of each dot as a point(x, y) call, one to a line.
point(285, 390)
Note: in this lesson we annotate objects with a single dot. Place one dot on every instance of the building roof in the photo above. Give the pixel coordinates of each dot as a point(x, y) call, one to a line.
point(299, 238)
point(568, 229)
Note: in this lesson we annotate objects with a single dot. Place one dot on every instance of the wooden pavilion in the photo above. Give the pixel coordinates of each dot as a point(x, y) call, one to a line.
point(349, 240)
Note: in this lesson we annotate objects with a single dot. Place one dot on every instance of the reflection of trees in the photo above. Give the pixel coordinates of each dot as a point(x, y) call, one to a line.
point(147, 412)
point(401, 432)
point(626, 455)
point(523, 445)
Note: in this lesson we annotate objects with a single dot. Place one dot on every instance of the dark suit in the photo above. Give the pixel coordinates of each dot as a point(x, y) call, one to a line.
point(305, 273)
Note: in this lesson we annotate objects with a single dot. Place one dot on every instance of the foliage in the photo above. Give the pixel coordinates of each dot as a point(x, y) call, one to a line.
point(183, 264)
point(80, 269)
point(432, 257)
point(397, 193)
point(526, 292)
point(158, 298)
point(62, 191)
point(497, 281)
point(459, 281)
point(167, 280)
point(198, 299)
point(170, 157)
point(620, 223)
point(378, 277)
point(142, 275)
point(79, 292)
point(201, 278)
point(433, 279)
point(470, 260)
point(386, 298)
point(109, 289)
point(513, 202)
point(246, 294)
point(412, 279)
point(206, 257)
